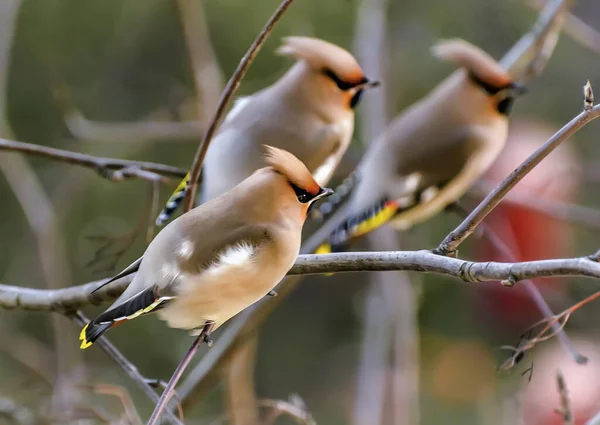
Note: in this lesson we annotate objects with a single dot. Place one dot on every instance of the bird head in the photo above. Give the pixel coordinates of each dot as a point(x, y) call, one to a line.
point(297, 177)
point(483, 71)
point(336, 69)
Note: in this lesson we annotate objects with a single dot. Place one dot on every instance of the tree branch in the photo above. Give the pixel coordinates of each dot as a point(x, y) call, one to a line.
point(575, 28)
point(94, 162)
point(125, 364)
point(451, 242)
point(72, 298)
point(126, 132)
point(230, 89)
point(528, 57)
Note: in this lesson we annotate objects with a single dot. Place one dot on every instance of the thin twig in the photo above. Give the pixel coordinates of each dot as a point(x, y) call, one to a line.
point(575, 28)
point(170, 389)
point(124, 397)
point(125, 364)
point(226, 97)
point(566, 211)
point(528, 57)
point(129, 132)
point(526, 344)
point(565, 410)
point(89, 161)
point(534, 293)
point(451, 242)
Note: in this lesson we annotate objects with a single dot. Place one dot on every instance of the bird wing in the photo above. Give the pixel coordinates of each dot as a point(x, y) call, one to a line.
point(419, 171)
point(132, 268)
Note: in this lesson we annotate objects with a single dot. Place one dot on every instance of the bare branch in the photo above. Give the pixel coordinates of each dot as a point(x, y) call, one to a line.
point(451, 243)
point(124, 397)
point(97, 163)
point(127, 132)
point(126, 365)
point(533, 292)
point(230, 89)
point(69, 299)
point(576, 214)
point(528, 57)
point(208, 78)
point(565, 410)
point(575, 28)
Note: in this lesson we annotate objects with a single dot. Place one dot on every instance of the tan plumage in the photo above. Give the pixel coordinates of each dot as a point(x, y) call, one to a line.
point(436, 149)
point(217, 259)
point(305, 112)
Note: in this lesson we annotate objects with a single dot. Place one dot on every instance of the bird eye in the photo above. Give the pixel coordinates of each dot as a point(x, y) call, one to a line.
point(304, 197)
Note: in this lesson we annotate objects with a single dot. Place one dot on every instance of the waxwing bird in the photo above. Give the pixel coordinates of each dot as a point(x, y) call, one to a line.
point(431, 154)
point(309, 112)
point(217, 259)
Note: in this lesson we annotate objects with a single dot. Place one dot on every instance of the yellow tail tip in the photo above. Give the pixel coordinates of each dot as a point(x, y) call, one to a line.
point(84, 342)
point(323, 249)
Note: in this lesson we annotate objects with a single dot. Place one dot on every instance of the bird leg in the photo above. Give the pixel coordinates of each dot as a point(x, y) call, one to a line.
point(170, 390)
point(206, 331)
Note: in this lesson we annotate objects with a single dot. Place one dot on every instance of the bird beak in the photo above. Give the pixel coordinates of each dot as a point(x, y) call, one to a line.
point(323, 193)
point(369, 84)
point(518, 88)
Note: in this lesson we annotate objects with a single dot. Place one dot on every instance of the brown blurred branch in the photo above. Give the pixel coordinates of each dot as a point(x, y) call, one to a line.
point(208, 78)
point(126, 132)
point(126, 167)
point(451, 242)
point(575, 28)
point(133, 418)
point(241, 400)
point(230, 89)
point(125, 364)
point(294, 408)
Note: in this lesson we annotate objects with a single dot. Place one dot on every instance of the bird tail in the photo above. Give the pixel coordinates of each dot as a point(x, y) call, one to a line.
point(91, 332)
point(359, 225)
point(174, 202)
point(341, 194)
point(142, 303)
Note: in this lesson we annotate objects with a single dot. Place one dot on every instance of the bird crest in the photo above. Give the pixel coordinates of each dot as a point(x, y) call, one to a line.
point(473, 59)
point(292, 168)
point(322, 55)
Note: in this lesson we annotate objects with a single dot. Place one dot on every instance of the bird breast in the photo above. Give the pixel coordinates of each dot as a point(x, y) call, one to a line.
point(241, 275)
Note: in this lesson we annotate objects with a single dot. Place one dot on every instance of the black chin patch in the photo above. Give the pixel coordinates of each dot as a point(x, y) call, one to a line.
point(356, 99)
point(505, 105)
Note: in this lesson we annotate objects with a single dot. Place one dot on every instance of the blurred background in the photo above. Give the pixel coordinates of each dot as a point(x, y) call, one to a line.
point(79, 73)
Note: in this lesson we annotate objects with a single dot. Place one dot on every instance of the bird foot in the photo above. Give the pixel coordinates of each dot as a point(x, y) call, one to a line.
point(206, 331)
point(272, 294)
point(155, 383)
